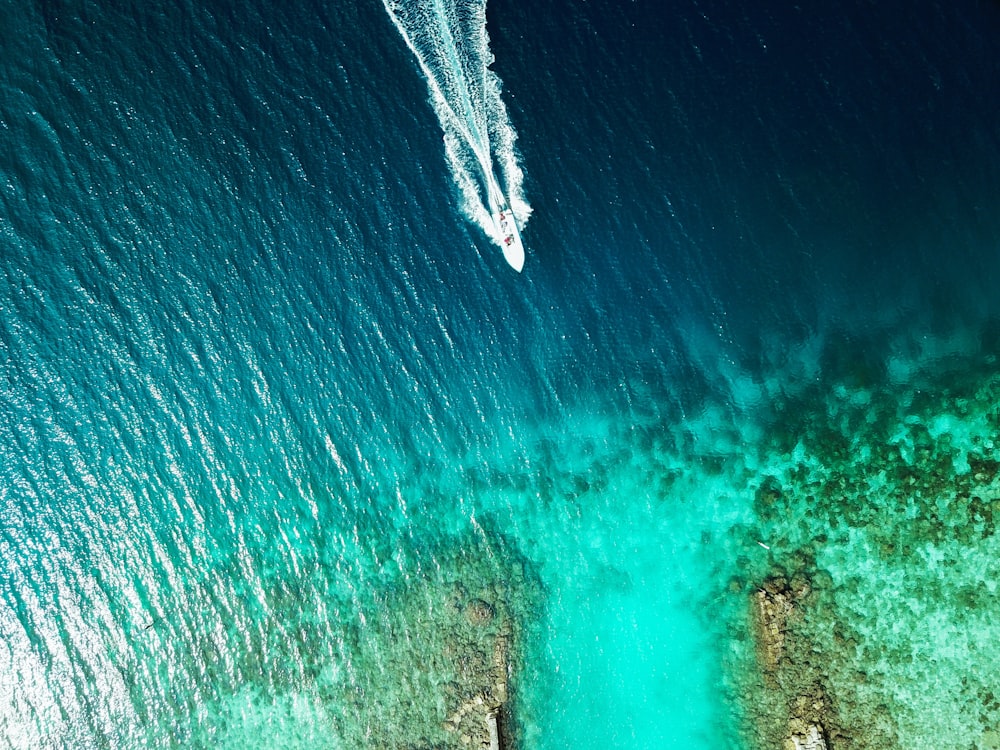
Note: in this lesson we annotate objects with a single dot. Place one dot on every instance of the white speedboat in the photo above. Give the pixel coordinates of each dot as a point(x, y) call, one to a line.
point(507, 234)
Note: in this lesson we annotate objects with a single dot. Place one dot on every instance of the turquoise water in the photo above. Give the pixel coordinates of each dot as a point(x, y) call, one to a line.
point(290, 458)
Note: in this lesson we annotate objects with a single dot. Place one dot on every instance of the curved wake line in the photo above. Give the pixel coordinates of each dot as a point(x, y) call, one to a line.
point(451, 44)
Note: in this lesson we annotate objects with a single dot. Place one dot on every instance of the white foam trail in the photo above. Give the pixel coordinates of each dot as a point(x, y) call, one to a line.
point(450, 42)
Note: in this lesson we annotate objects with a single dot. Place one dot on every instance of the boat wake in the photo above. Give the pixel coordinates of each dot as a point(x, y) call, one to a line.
point(450, 42)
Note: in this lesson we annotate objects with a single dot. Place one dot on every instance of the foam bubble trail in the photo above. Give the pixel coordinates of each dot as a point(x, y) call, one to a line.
point(452, 47)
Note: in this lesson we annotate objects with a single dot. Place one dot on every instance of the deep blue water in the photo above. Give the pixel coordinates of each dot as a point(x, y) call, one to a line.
point(257, 368)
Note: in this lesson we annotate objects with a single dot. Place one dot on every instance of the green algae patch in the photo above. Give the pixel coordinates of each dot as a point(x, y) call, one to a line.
point(876, 618)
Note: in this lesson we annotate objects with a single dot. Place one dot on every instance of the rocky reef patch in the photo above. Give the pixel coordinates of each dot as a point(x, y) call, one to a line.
point(872, 608)
point(443, 650)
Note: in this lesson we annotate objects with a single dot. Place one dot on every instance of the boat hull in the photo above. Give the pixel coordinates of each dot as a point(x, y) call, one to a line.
point(509, 237)
point(506, 234)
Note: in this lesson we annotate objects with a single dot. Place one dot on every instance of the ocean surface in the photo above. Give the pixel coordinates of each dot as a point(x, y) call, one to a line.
point(288, 453)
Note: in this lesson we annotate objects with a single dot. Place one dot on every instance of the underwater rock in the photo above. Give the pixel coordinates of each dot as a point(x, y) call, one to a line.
point(773, 605)
point(477, 719)
point(493, 724)
point(810, 713)
point(799, 713)
point(811, 739)
point(479, 612)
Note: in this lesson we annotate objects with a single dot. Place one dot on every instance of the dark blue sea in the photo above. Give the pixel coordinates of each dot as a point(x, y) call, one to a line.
point(291, 458)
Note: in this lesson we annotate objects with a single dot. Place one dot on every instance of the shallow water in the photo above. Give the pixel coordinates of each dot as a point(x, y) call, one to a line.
point(275, 414)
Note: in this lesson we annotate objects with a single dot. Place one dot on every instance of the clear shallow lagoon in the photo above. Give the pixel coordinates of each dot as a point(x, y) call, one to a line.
point(275, 415)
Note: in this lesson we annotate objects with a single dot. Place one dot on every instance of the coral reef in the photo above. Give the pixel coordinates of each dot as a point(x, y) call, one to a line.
point(875, 617)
